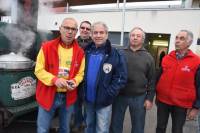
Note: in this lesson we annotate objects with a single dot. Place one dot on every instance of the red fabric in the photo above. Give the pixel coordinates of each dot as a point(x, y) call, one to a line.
point(54, 80)
point(177, 82)
point(45, 94)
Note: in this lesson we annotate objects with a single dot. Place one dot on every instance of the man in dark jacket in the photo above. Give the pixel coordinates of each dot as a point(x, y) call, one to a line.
point(139, 91)
point(105, 75)
point(85, 31)
point(83, 40)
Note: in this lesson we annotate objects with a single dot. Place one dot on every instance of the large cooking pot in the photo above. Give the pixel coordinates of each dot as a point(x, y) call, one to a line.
point(17, 80)
point(15, 61)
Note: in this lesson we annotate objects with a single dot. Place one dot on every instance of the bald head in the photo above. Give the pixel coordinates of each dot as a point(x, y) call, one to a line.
point(68, 30)
point(65, 20)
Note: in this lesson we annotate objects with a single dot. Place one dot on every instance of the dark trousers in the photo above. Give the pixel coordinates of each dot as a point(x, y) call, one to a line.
point(178, 116)
point(79, 110)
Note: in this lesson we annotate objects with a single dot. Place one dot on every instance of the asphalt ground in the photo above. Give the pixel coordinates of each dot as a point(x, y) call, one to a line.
point(150, 123)
point(27, 124)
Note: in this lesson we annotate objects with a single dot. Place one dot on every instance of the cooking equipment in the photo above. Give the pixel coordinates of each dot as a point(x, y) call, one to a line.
point(17, 79)
point(15, 61)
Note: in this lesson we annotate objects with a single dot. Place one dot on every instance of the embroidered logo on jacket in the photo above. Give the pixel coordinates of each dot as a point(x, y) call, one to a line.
point(107, 67)
point(186, 69)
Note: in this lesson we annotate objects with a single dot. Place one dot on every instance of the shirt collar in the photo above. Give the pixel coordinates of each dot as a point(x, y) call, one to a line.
point(66, 46)
point(180, 55)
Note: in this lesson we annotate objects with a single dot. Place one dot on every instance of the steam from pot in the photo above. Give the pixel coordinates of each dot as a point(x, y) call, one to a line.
point(21, 39)
point(21, 36)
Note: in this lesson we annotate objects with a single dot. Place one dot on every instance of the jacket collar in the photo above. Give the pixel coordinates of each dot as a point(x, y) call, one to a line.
point(141, 49)
point(84, 40)
point(58, 41)
point(106, 46)
point(189, 54)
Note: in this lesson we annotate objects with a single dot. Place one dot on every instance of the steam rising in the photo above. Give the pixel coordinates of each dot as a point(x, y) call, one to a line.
point(21, 36)
point(21, 39)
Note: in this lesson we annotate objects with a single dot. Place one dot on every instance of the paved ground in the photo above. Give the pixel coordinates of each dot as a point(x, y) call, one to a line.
point(27, 124)
point(190, 126)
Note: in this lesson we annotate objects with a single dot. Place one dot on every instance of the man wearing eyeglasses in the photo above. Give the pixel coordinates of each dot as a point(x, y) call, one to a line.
point(176, 91)
point(85, 32)
point(59, 69)
point(79, 119)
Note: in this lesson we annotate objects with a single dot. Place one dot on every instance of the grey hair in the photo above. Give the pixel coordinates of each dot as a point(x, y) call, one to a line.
point(189, 35)
point(138, 28)
point(99, 23)
point(70, 19)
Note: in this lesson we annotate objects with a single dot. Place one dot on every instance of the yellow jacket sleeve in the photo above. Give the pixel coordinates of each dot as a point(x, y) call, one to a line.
point(79, 76)
point(40, 72)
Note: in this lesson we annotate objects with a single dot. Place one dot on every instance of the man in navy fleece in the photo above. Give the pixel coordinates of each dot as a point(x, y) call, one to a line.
point(105, 75)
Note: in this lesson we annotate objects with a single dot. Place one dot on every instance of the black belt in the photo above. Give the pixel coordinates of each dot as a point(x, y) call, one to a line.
point(63, 93)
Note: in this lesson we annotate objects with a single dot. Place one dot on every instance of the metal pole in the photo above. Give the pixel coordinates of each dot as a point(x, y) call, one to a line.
point(117, 4)
point(67, 7)
point(14, 11)
point(123, 23)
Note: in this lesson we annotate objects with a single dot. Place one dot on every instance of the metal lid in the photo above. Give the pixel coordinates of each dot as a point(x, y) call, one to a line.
point(12, 57)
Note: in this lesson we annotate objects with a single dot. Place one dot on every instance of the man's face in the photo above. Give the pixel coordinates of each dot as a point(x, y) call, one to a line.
point(99, 35)
point(136, 38)
point(85, 30)
point(68, 31)
point(182, 42)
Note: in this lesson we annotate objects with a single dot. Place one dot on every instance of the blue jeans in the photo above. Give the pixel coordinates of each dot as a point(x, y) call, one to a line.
point(44, 117)
point(137, 113)
point(97, 120)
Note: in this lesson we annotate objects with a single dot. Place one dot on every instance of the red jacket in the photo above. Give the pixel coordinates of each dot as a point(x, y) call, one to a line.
point(176, 85)
point(45, 94)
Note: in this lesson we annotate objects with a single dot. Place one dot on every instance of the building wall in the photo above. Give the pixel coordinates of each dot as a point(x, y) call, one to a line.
point(168, 21)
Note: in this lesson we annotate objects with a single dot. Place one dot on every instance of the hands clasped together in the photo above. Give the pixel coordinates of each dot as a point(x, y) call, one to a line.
point(63, 83)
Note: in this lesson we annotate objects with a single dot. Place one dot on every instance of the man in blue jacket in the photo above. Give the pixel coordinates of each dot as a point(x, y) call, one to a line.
point(105, 75)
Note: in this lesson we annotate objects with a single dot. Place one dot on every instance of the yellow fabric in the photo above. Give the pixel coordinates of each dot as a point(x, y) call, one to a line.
point(65, 59)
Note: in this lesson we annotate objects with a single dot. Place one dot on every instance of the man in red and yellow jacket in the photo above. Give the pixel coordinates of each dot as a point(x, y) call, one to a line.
point(59, 69)
point(176, 91)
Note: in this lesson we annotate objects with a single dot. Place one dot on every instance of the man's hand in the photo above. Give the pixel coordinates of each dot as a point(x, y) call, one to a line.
point(192, 113)
point(148, 104)
point(71, 84)
point(61, 83)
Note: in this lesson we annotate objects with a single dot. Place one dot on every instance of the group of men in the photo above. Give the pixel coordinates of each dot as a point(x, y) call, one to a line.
point(88, 70)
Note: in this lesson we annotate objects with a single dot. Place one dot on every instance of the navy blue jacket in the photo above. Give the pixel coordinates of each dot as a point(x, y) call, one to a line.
point(108, 84)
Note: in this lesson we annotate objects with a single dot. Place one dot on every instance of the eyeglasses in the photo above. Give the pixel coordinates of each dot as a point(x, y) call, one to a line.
point(88, 29)
point(67, 29)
